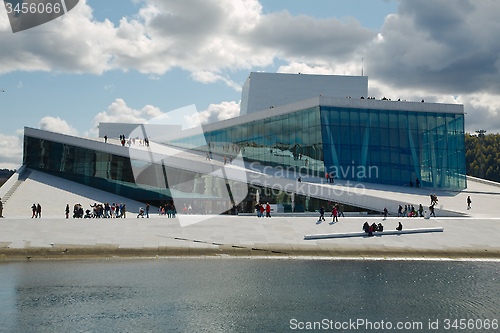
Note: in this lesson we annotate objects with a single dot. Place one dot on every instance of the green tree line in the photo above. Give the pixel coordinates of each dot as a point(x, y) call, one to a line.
point(482, 156)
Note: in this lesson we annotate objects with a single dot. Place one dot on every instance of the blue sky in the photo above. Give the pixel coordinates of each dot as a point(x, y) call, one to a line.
point(131, 60)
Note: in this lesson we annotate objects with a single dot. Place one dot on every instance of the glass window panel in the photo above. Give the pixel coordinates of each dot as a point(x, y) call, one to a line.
point(374, 119)
point(345, 137)
point(384, 119)
point(356, 154)
point(393, 120)
point(422, 123)
point(403, 139)
point(344, 118)
point(431, 122)
point(412, 121)
point(363, 118)
point(385, 155)
point(345, 154)
point(356, 135)
point(354, 117)
point(384, 138)
point(403, 120)
point(334, 117)
point(374, 155)
point(374, 137)
point(394, 138)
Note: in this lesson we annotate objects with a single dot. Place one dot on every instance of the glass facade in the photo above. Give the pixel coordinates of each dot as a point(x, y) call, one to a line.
point(291, 140)
point(156, 183)
point(363, 145)
point(395, 147)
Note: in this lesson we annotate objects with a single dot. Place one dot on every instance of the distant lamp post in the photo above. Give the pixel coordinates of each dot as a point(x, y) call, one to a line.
point(480, 133)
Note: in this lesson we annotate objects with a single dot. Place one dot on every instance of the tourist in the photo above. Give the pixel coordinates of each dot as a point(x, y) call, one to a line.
point(321, 214)
point(341, 210)
point(417, 182)
point(67, 210)
point(1, 208)
point(400, 211)
point(385, 212)
point(141, 212)
point(380, 227)
point(257, 209)
point(174, 211)
point(399, 227)
point(371, 229)
point(413, 213)
point(124, 211)
point(431, 209)
point(39, 211)
point(469, 201)
point(366, 227)
point(105, 139)
point(421, 210)
point(261, 208)
point(335, 213)
point(169, 210)
point(268, 210)
point(147, 210)
point(33, 210)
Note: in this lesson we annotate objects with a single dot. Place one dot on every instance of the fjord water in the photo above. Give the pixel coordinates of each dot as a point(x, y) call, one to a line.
point(240, 295)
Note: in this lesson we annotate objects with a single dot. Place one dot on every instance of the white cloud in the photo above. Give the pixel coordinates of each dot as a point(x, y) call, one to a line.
point(120, 112)
point(11, 147)
point(211, 77)
point(204, 37)
point(56, 124)
point(215, 112)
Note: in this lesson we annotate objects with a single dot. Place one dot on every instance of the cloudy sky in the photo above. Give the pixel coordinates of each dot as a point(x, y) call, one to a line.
point(133, 60)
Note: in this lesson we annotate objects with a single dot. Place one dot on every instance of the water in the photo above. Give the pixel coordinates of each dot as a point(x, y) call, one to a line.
point(243, 295)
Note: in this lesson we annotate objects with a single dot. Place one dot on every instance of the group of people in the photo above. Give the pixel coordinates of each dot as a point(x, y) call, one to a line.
point(370, 229)
point(410, 211)
point(434, 199)
point(337, 211)
point(36, 211)
point(330, 178)
point(97, 210)
point(144, 211)
point(261, 209)
point(168, 209)
point(131, 141)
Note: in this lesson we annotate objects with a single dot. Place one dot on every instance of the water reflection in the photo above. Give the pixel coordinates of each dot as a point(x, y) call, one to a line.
point(237, 295)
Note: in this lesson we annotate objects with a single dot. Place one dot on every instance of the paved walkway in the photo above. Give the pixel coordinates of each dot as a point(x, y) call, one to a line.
point(55, 237)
